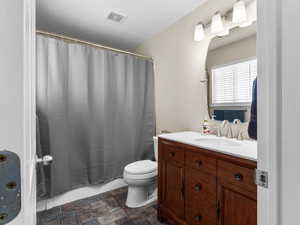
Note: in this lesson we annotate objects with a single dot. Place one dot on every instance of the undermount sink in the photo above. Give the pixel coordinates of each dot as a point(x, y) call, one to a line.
point(218, 142)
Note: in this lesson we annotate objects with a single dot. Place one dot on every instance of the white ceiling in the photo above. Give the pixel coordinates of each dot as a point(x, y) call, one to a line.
point(86, 19)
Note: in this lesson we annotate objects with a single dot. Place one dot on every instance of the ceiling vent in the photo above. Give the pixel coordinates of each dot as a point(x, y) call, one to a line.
point(116, 17)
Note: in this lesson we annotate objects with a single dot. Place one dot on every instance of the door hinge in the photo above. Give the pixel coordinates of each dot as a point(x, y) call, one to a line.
point(261, 178)
point(10, 186)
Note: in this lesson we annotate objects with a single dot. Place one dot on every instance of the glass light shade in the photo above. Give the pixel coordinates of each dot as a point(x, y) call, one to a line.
point(199, 32)
point(239, 12)
point(217, 25)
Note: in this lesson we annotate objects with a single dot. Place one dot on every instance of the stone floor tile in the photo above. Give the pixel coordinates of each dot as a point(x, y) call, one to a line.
point(105, 209)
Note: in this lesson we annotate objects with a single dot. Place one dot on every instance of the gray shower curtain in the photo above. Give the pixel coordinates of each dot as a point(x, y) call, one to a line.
point(96, 112)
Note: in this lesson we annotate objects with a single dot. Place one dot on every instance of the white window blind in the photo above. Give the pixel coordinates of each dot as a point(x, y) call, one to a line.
point(232, 84)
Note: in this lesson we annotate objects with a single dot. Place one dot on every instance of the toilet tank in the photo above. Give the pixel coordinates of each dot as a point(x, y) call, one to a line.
point(155, 140)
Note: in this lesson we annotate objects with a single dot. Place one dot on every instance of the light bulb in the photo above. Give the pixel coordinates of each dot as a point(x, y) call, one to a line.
point(239, 12)
point(199, 34)
point(217, 25)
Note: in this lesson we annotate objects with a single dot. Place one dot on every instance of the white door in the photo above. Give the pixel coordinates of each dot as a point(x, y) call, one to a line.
point(290, 110)
point(278, 110)
point(268, 28)
point(17, 107)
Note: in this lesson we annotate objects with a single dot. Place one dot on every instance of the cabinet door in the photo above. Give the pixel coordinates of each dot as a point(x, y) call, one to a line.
point(173, 188)
point(236, 208)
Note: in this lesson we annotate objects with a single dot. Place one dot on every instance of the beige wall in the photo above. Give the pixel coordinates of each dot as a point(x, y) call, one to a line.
point(181, 98)
point(239, 50)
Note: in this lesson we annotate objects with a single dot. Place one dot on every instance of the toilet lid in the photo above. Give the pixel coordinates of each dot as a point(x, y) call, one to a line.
point(141, 167)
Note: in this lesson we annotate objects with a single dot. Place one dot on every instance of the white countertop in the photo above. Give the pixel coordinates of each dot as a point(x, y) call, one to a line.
point(246, 149)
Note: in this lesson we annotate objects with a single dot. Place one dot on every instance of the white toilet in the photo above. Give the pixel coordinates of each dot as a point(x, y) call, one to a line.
point(141, 177)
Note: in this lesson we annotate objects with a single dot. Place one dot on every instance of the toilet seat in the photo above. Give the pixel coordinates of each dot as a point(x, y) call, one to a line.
point(128, 176)
point(143, 169)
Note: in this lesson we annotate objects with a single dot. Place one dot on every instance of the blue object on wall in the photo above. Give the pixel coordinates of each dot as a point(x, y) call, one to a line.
point(230, 115)
point(252, 129)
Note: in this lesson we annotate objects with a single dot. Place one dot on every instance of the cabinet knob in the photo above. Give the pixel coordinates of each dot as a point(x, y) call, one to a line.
point(238, 177)
point(198, 187)
point(172, 154)
point(199, 163)
point(198, 218)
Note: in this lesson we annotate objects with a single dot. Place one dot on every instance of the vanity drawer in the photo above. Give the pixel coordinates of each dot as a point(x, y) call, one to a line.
point(200, 197)
point(237, 175)
point(171, 152)
point(200, 185)
point(202, 162)
point(195, 216)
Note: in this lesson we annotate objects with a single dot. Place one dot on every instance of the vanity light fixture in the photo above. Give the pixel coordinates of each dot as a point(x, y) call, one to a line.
point(217, 24)
point(223, 33)
point(199, 34)
point(246, 24)
point(239, 12)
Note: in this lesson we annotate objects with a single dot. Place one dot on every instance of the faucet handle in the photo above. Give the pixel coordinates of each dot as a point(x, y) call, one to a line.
point(240, 136)
point(219, 132)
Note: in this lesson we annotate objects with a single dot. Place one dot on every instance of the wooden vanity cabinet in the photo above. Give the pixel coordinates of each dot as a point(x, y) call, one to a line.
point(237, 195)
point(202, 187)
point(171, 180)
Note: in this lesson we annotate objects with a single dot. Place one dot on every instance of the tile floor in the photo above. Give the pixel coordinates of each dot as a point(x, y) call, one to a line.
point(104, 209)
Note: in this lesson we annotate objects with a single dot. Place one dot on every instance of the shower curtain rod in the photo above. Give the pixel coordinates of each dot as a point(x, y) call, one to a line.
point(91, 44)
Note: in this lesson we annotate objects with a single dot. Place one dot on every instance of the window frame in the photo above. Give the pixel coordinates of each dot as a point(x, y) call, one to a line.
point(231, 104)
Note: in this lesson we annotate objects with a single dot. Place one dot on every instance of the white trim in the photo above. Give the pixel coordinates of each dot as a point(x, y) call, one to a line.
point(269, 104)
point(29, 184)
point(236, 104)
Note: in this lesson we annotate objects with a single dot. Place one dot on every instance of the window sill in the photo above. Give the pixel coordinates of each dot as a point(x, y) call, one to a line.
point(230, 105)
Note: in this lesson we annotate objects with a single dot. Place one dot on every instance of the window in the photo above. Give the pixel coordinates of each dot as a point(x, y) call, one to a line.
point(232, 84)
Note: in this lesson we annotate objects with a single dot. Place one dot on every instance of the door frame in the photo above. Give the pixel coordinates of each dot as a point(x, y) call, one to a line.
point(29, 79)
point(269, 109)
